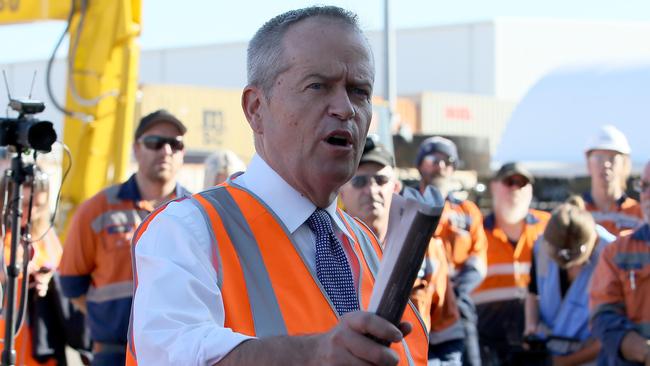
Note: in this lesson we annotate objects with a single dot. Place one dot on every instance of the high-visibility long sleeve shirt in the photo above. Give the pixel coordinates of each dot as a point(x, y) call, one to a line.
point(620, 293)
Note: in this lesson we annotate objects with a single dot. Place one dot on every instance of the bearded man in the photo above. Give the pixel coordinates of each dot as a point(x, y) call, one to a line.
point(511, 229)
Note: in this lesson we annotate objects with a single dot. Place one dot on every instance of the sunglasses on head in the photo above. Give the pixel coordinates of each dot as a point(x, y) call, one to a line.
point(515, 181)
point(568, 254)
point(360, 181)
point(155, 142)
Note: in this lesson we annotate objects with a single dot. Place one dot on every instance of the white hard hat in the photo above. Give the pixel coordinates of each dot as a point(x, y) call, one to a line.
point(609, 138)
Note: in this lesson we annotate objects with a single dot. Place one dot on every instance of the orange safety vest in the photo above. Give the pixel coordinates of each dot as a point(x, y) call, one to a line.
point(461, 231)
point(508, 271)
point(269, 289)
point(434, 297)
point(627, 216)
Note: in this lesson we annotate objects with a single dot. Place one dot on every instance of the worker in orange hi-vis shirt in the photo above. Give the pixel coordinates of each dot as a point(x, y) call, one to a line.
point(96, 271)
point(461, 231)
point(46, 255)
point(608, 162)
point(620, 293)
point(511, 229)
point(368, 196)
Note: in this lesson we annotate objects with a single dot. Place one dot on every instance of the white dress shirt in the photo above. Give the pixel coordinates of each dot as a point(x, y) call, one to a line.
point(178, 312)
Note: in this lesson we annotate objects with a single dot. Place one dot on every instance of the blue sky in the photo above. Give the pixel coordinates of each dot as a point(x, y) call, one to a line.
point(175, 23)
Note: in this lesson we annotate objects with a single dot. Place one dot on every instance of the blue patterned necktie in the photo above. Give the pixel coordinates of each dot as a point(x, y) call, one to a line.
point(332, 267)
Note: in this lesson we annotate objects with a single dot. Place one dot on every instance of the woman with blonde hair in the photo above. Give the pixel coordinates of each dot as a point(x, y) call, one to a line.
point(557, 305)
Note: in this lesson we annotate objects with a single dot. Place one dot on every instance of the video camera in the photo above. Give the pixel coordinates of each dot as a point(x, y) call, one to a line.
point(25, 131)
point(22, 133)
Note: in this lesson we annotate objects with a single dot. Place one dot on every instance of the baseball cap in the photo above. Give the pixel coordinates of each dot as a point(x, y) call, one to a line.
point(437, 144)
point(376, 152)
point(611, 138)
point(513, 168)
point(158, 116)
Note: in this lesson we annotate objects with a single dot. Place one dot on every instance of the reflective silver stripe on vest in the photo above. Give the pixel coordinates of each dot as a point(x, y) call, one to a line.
point(631, 261)
point(371, 258)
point(111, 194)
point(312, 271)
point(621, 219)
point(114, 291)
point(215, 247)
point(128, 218)
point(364, 243)
point(267, 317)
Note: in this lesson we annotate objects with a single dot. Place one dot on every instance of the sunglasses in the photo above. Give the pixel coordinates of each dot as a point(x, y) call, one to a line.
point(360, 181)
point(519, 182)
point(435, 160)
point(641, 186)
point(570, 254)
point(155, 142)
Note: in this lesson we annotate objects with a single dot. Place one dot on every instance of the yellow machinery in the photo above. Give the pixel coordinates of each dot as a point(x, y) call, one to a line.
point(102, 81)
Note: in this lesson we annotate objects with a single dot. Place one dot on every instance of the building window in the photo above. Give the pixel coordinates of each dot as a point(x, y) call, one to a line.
point(212, 127)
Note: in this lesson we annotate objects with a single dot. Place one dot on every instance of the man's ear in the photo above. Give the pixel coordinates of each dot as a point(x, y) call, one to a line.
point(252, 102)
point(398, 186)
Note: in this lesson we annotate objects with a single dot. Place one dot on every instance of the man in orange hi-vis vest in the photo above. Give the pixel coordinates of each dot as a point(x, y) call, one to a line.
point(609, 164)
point(368, 196)
point(512, 228)
point(264, 269)
point(620, 291)
point(462, 235)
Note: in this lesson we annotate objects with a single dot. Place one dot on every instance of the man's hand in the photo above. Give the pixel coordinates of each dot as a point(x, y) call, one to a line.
point(635, 348)
point(41, 280)
point(348, 343)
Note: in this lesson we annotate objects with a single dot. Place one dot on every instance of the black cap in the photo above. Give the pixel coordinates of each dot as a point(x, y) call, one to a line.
point(158, 116)
point(513, 168)
point(376, 152)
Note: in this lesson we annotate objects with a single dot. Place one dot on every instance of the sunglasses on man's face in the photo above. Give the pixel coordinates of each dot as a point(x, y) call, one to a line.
point(360, 181)
point(436, 160)
point(515, 181)
point(155, 142)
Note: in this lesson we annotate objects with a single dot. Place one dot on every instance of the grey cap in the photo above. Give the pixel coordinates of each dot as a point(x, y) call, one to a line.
point(437, 144)
point(376, 152)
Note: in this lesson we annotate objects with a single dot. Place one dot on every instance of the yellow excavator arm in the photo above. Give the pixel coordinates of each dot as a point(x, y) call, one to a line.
point(102, 82)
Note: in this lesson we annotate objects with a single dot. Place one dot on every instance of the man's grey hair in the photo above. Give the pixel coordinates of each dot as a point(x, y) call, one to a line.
point(264, 59)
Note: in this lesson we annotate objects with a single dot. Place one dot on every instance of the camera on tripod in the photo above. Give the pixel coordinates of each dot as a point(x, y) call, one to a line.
point(25, 131)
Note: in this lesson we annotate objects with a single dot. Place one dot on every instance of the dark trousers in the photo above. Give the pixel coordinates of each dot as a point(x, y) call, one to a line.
point(500, 328)
point(468, 318)
point(109, 359)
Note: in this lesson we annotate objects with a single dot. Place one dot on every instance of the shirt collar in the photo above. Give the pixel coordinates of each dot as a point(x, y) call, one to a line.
point(589, 199)
point(129, 190)
point(490, 221)
point(290, 206)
